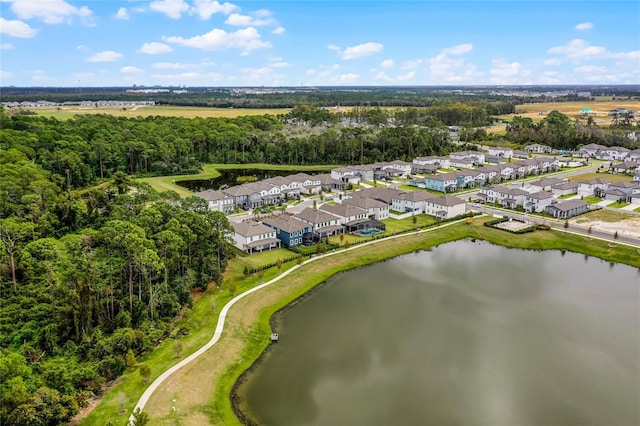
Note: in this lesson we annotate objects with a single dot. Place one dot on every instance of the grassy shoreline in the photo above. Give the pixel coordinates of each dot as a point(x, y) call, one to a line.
point(249, 322)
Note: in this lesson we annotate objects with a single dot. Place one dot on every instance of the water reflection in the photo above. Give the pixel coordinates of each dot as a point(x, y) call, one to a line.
point(467, 334)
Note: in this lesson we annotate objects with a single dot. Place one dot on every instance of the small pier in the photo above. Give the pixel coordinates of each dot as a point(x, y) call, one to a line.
point(274, 338)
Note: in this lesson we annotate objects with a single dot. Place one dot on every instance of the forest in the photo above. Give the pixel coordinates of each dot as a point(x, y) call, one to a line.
point(95, 267)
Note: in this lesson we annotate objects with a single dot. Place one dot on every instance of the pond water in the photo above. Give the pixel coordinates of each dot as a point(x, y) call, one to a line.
point(231, 177)
point(468, 334)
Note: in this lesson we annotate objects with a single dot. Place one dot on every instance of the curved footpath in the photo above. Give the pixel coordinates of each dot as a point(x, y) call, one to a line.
point(225, 310)
point(223, 313)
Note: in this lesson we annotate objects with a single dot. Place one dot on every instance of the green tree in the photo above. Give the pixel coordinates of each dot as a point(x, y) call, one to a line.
point(13, 232)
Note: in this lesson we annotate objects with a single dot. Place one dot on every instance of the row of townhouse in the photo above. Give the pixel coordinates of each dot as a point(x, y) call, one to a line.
point(354, 174)
point(362, 210)
point(533, 202)
point(613, 191)
point(263, 193)
point(453, 181)
point(608, 153)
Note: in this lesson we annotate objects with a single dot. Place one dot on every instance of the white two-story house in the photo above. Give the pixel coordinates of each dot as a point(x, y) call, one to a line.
point(217, 201)
point(254, 237)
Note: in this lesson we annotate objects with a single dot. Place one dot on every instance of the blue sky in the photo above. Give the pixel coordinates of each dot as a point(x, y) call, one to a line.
point(315, 43)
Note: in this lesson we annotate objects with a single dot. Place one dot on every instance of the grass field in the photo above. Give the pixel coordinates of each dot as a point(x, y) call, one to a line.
point(603, 176)
point(618, 204)
point(210, 171)
point(592, 200)
point(564, 197)
point(64, 113)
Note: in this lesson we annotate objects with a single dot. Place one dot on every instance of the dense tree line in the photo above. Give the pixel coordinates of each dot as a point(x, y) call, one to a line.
point(89, 280)
point(558, 131)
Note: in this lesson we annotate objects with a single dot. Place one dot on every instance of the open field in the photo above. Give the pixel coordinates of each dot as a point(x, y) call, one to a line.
point(599, 108)
point(611, 221)
point(604, 176)
point(210, 171)
point(64, 113)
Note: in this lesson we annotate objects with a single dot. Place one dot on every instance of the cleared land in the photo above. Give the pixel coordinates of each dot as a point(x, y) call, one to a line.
point(599, 111)
point(64, 113)
point(610, 221)
point(604, 176)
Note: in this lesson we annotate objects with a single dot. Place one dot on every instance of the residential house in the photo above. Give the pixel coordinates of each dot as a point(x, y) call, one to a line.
point(254, 237)
point(506, 171)
point(470, 177)
point(376, 209)
point(217, 201)
point(510, 197)
point(445, 207)
point(612, 153)
point(501, 152)
point(289, 188)
point(537, 202)
point(592, 187)
point(492, 173)
point(347, 213)
point(620, 191)
point(565, 189)
point(464, 163)
point(243, 196)
point(309, 184)
point(544, 184)
point(289, 229)
point(328, 183)
point(546, 164)
point(345, 174)
point(567, 209)
point(591, 149)
point(323, 223)
point(627, 167)
point(477, 156)
point(411, 201)
point(537, 148)
point(634, 155)
point(382, 194)
point(520, 154)
point(445, 182)
point(493, 159)
point(440, 162)
point(270, 194)
point(636, 175)
point(425, 168)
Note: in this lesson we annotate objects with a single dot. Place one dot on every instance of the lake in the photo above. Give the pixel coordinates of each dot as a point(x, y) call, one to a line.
point(468, 334)
point(231, 177)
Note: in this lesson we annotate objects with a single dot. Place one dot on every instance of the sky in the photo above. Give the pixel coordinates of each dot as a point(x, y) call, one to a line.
point(318, 43)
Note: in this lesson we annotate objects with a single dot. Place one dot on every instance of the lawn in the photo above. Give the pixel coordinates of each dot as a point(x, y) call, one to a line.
point(64, 113)
point(401, 225)
point(618, 204)
point(637, 210)
point(564, 197)
point(267, 257)
point(603, 176)
point(592, 200)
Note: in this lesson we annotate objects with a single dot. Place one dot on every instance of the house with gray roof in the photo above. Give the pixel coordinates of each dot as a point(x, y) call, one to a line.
point(346, 212)
point(217, 201)
point(289, 229)
point(322, 222)
point(565, 188)
point(254, 237)
point(411, 201)
point(375, 208)
point(445, 207)
point(537, 202)
point(567, 209)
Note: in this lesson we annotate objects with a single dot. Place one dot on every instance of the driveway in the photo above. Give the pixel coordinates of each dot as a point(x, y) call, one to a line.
point(630, 207)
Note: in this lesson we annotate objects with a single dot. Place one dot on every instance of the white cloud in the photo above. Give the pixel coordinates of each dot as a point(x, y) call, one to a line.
point(6, 46)
point(591, 69)
point(206, 8)
point(280, 64)
point(247, 39)
point(50, 11)
point(122, 13)
point(505, 73)
point(553, 61)
point(348, 78)
point(81, 47)
point(358, 51)
point(406, 77)
point(5, 75)
point(172, 8)
point(278, 31)
point(449, 66)
point(335, 67)
point(381, 75)
point(16, 28)
point(249, 21)
point(578, 49)
point(409, 65)
point(387, 63)
point(458, 49)
point(584, 26)
point(154, 48)
point(310, 71)
point(131, 70)
point(105, 56)
point(173, 65)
